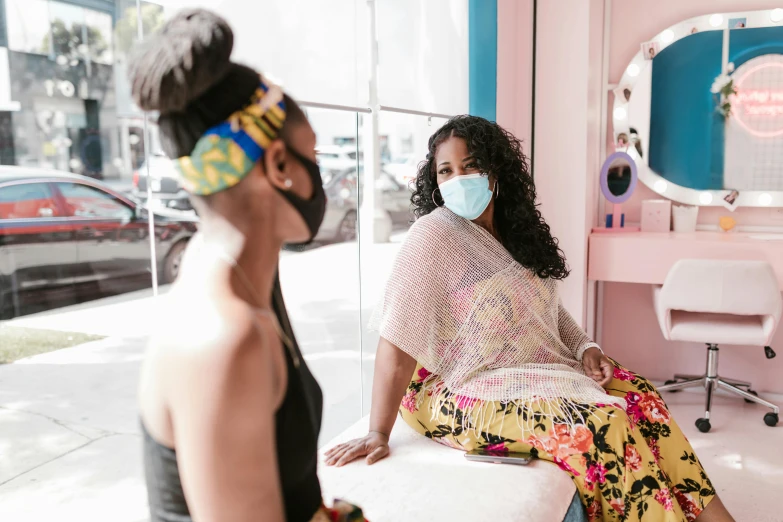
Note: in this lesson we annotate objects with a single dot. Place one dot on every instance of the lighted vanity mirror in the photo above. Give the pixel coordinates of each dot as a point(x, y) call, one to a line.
point(702, 114)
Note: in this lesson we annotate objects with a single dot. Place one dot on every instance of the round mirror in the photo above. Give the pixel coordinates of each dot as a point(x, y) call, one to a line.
point(618, 177)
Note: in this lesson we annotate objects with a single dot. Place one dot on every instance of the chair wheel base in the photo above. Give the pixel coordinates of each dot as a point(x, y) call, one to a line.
point(671, 381)
point(752, 392)
point(771, 419)
point(704, 425)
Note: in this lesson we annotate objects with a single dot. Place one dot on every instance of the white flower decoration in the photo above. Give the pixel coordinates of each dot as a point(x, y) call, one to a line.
point(720, 82)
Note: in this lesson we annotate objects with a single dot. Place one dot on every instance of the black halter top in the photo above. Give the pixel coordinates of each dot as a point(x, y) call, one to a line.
point(297, 423)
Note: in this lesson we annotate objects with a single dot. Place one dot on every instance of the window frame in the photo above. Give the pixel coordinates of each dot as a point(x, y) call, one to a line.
point(12, 46)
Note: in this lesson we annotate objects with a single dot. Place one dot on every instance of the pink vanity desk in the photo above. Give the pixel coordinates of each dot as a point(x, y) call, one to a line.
point(646, 257)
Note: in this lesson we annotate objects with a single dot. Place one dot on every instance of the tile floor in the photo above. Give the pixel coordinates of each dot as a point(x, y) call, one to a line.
point(742, 456)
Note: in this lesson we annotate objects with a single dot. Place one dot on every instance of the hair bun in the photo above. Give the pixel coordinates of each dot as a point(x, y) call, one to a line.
point(179, 63)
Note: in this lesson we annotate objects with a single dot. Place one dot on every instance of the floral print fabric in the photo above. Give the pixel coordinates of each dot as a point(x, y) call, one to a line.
point(341, 511)
point(633, 465)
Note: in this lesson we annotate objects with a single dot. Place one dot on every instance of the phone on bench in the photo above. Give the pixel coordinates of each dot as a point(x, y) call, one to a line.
point(498, 457)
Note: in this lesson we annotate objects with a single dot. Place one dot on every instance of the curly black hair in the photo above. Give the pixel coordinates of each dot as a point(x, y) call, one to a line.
point(522, 229)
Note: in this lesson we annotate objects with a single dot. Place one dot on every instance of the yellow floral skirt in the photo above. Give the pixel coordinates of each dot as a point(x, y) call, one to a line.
point(340, 512)
point(633, 465)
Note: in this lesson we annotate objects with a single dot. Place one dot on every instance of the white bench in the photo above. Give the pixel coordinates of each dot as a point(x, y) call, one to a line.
point(424, 480)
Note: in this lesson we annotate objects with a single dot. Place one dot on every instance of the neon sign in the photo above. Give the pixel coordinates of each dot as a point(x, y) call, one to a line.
point(760, 102)
point(759, 110)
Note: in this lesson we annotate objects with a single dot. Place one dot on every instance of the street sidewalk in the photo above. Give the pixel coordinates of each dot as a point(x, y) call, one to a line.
point(328, 274)
point(70, 448)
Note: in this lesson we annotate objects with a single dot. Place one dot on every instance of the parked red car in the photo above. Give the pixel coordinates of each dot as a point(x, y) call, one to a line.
point(66, 238)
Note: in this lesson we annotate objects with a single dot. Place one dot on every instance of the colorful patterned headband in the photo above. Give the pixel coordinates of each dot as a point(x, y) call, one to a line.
point(225, 154)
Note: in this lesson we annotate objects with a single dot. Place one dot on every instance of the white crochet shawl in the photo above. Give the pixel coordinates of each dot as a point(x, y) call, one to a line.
point(486, 327)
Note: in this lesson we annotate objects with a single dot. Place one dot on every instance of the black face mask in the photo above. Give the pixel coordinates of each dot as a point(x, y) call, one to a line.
point(312, 210)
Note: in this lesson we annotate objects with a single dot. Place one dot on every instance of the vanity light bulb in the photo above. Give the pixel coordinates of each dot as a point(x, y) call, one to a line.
point(716, 20)
point(776, 15)
point(667, 36)
point(660, 186)
point(765, 200)
point(620, 113)
point(633, 70)
point(705, 198)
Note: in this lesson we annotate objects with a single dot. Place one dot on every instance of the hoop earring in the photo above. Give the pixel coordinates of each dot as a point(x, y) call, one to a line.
point(433, 198)
point(497, 189)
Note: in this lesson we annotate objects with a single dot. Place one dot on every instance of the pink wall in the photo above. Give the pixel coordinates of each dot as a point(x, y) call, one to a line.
point(515, 69)
point(567, 131)
point(568, 101)
point(630, 331)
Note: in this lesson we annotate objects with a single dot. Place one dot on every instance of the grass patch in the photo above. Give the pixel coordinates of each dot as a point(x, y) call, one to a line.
point(17, 343)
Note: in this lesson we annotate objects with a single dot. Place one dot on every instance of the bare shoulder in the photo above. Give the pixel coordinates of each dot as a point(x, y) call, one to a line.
point(198, 327)
point(220, 344)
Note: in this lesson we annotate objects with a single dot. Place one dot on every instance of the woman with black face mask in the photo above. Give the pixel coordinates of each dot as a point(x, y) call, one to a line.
point(229, 410)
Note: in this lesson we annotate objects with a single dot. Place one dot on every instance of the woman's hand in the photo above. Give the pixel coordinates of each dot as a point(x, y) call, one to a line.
point(598, 366)
point(374, 445)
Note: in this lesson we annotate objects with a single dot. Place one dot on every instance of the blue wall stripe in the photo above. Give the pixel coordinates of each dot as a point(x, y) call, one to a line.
point(483, 57)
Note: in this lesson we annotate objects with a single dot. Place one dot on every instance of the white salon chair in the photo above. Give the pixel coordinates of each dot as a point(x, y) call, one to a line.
point(720, 302)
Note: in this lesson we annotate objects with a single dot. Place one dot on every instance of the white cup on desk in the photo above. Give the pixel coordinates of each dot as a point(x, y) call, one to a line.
point(684, 218)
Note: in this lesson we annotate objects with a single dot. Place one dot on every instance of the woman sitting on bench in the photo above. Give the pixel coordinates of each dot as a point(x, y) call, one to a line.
point(477, 351)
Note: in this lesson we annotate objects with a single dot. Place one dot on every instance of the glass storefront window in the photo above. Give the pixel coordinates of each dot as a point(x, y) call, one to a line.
point(27, 23)
point(99, 36)
point(66, 40)
point(404, 138)
point(320, 50)
point(81, 242)
point(433, 55)
point(321, 283)
point(65, 32)
point(71, 132)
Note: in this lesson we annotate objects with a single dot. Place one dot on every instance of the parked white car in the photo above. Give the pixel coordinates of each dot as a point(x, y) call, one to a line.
point(334, 159)
point(404, 170)
point(167, 192)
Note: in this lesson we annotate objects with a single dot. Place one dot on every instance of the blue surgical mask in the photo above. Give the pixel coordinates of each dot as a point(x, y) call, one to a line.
point(467, 196)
